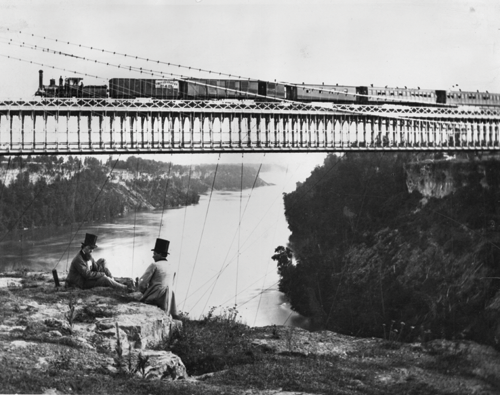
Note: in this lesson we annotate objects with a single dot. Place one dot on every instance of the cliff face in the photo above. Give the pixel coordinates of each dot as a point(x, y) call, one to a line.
point(440, 178)
point(428, 181)
point(386, 238)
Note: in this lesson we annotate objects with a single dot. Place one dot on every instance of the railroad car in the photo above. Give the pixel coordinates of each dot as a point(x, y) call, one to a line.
point(131, 88)
point(472, 98)
point(209, 89)
point(191, 89)
point(323, 93)
point(377, 95)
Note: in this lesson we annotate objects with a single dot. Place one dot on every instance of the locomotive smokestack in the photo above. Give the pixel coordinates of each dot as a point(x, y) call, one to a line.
point(40, 79)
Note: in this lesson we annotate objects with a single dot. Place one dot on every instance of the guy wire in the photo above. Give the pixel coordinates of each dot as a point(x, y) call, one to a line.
point(74, 203)
point(239, 235)
point(88, 211)
point(135, 221)
point(184, 221)
point(203, 229)
point(165, 196)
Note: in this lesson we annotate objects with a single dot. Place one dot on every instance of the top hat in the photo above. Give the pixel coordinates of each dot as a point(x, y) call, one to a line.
point(161, 246)
point(90, 240)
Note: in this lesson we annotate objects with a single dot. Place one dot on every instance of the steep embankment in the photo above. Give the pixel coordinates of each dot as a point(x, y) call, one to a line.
point(392, 245)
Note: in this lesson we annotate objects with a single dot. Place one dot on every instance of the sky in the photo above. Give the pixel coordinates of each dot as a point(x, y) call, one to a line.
point(445, 44)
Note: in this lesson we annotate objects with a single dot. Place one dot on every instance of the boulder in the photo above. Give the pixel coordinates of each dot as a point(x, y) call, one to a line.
point(161, 365)
point(108, 340)
point(291, 340)
point(10, 282)
point(145, 325)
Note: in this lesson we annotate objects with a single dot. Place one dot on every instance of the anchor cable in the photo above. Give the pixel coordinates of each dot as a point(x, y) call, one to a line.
point(184, 221)
point(77, 174)
point(165, 198)
point(88, 211)
point(203, 228)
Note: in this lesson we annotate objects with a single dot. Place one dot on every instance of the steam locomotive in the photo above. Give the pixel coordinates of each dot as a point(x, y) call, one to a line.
point(218, 89)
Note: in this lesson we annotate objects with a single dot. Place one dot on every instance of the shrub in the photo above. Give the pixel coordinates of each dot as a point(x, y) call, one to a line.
point(214, 343)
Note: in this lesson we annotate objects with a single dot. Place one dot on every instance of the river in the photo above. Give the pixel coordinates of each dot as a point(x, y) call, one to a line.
point(222, 247)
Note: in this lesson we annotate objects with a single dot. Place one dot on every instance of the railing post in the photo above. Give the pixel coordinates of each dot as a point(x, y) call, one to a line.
point(33, 118)
point(276, 130)
point(100, 130)
point(89, 125)
point(44, 129)
point(22, 131)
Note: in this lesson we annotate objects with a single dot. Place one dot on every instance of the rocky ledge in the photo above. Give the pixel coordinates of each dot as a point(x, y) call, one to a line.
point(103, 332)
point(106, 320)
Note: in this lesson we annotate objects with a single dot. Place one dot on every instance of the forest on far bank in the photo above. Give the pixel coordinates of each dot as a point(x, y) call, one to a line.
point(368, 258)
point(46, 191)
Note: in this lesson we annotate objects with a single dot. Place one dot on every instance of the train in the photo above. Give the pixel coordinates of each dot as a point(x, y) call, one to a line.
point(233, 89)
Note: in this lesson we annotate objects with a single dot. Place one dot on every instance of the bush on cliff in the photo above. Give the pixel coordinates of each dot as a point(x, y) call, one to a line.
point(214, 343)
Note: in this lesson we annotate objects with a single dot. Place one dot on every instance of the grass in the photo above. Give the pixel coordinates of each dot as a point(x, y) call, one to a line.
point(67, 382)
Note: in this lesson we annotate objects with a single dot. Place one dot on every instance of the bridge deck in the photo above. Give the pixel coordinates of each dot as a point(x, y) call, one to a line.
point(101, 126)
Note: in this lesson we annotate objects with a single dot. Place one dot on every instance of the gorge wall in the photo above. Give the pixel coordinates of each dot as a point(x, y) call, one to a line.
point(397, 245)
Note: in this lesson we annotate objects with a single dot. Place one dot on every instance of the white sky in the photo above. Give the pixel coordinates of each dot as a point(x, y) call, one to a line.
point(431, 44)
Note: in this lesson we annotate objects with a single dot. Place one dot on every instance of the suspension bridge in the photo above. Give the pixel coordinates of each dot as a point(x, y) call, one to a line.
point(103, 125)
point(268, 122)
point(99, 126)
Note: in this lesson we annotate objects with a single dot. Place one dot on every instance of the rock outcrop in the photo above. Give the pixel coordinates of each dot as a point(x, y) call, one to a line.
point(101, 319)
point(430, 182)
point(439, 178)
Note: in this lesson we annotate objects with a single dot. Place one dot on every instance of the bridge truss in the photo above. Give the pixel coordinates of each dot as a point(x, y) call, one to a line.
point(100, 126)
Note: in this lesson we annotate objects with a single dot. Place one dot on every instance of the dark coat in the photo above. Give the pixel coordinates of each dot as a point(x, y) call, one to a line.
point(80, 271)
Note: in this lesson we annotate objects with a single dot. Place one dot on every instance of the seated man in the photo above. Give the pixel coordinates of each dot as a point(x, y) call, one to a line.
point(158, 281)
point(86, 273)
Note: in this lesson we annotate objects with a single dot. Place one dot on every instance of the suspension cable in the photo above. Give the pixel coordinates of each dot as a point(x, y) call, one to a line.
point(352, 111)
point(263, 282)
point(135, 220)
point(184, 221)
point(165, 198)
point(89, 210)
point(100, 50)
point(203, 228)
point(322, 88)
point(239, 235)
point(77, 173)
point(22, 214)
point(224, 266)
point(255, 296)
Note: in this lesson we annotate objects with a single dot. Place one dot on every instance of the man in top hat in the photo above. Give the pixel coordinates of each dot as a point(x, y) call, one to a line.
point(86, 273)
point(158, 281)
